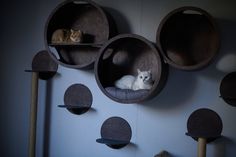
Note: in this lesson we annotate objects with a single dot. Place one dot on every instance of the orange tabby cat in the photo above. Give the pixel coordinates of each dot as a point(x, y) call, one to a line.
point(67, 36)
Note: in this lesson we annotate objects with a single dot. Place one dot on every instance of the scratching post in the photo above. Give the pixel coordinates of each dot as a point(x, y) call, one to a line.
point(33, 113)
point(43, 67)
point(201, 147)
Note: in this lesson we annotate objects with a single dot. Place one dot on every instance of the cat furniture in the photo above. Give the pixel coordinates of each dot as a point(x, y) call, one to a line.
point(204, 126)
point(85, 15)
point(43, 67)
point(228, 89)
point(122, 55)
point(78, 99)
point(115, 132)
point(188, 38)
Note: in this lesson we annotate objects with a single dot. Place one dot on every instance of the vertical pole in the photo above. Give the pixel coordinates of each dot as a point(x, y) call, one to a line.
point(33, 113)
point(201, 147)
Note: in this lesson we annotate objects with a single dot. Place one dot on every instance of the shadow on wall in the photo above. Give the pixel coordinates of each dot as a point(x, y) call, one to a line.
point(178, 90)
point(227, 47)
point(221, 145)
point(181, 85)
point(120, 20)
point(47, 115)
point(165, 154)
point(47, 118)
point(132, 146)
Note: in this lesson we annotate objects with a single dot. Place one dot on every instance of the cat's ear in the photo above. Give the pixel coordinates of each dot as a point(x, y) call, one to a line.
point(149, 71)
point(71, 30)
point(138, 70)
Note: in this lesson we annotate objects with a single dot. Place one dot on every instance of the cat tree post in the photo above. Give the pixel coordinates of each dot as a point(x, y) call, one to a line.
point(33, 113)
point(202, 147)
point(43, 67)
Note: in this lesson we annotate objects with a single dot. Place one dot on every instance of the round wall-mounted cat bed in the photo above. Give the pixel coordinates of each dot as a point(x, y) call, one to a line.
point(123, 55)
point(188, 38)
point(79, 15)
point(44, 65)
point(78, 99)
point(228, 89)
point(115, 133)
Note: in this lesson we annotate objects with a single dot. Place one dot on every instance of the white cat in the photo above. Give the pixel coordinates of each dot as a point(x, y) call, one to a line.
point(142, 81)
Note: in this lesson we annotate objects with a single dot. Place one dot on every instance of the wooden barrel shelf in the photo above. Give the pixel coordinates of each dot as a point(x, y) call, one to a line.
point(85, 15)
point(188, 38)
point(123, 55)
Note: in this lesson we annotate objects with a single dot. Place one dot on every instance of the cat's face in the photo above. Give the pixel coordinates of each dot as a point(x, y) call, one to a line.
point(145, 76)
point(76, 35)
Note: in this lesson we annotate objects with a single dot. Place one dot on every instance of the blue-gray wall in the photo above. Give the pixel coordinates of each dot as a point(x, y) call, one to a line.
point(159, 124)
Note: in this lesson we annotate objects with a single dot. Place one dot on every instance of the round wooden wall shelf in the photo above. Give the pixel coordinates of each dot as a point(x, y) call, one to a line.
point(123, 55)
point(204, 126)
point(228, 89)
point(96, 26)
point(204, 123)
point(78, 99)
point(188, 38)
point(44, 65)
point(115, 133)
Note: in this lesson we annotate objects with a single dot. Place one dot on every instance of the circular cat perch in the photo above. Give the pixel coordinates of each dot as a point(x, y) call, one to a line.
point(115, 133)
point(78, 99)
point(87, 16)
point(44, 65)
point(188, 38)
point(204, 125)
point(123, 55)
point(228, 89)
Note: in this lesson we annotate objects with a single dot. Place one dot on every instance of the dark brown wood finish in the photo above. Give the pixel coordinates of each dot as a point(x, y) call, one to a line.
point(123, 55)
point(85, 15)
point(228, 89)
point(204, 123)
point(188, 38)
point(115, 133)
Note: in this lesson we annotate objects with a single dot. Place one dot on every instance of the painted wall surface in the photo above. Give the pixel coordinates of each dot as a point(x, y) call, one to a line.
point(158, 124)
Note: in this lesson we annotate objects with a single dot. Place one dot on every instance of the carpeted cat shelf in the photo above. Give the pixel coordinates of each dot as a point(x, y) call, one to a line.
point(90, 19)
point(78, 99)
point(204, 125)
point(123, 55)
point(228, 89)
point(188, 38)
point(116, 133)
